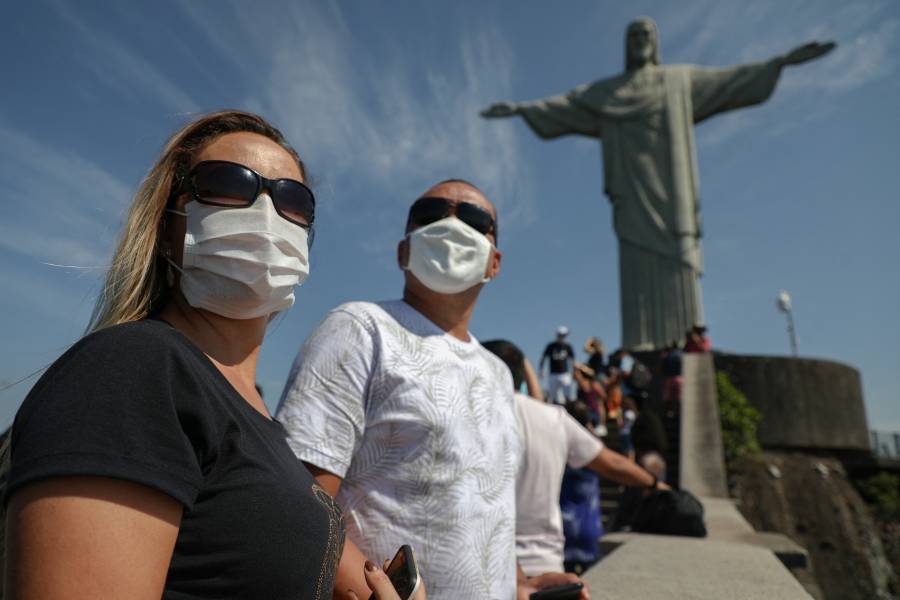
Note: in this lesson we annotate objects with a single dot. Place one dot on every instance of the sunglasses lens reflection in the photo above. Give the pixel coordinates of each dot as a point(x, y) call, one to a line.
point(294, 201)
point(225, 184)
point(428, 210)
point(477, 218)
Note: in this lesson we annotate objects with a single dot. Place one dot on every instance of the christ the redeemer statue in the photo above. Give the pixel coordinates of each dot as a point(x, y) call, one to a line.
point(645, 118)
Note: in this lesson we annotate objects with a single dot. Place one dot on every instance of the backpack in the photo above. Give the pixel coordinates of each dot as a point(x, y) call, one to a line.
point(640, 376)
point(670, 512)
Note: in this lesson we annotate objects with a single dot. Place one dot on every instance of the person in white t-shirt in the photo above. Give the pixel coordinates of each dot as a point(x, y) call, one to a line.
point(552, 439)
point(400, 413)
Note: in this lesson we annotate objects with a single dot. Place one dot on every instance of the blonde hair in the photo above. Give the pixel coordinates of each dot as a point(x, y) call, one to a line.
point(593, 344)
point(136, 284)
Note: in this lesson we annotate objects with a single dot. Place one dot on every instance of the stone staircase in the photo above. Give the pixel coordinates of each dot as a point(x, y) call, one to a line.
point(611, 492)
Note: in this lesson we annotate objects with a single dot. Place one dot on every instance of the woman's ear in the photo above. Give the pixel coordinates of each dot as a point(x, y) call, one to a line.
point(172, 230)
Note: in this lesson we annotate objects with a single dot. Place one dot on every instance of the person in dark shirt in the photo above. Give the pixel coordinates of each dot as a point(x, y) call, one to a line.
point(561, 358)
point(596, 356)
point(670, 366)
point(144, 463)
point(591, 393)
point(696, 340)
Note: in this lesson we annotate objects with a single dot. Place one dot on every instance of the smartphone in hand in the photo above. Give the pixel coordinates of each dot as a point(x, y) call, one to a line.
point(569, 591)
point(404, 573)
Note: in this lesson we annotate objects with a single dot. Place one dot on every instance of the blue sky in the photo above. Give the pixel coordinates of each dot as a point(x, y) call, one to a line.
point(381, 99)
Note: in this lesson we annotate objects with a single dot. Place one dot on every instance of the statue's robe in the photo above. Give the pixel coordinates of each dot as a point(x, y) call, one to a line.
point(644, 118)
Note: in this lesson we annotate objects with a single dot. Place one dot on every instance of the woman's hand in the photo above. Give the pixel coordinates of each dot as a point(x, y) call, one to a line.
point(530, 585)
point(381, 586)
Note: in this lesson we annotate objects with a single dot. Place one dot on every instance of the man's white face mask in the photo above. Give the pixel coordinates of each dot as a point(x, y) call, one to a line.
point(242, 263)
point(448, 256)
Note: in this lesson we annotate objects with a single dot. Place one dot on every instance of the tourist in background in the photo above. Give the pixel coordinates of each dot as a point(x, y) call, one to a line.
point(613, 388)
point(553, 442)
point(596, 356)
point(671, 370)
point(593, 395)
point(633, 376)
point(630, 501)
point(628, 416)
point(579, 504)
point(561, 358)
point(144, 463)
point(697, 340)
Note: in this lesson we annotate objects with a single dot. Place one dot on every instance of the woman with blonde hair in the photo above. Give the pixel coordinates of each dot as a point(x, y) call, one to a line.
point(596, 356)
point(144, 463)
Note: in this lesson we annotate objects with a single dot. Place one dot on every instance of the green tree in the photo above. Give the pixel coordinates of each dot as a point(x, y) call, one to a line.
point(882, 492)
point(739, 421)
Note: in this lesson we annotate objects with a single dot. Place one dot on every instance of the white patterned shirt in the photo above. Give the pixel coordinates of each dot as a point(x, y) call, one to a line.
point(422, 428)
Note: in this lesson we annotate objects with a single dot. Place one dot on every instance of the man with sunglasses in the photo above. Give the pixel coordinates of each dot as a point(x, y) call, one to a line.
point(401, 414)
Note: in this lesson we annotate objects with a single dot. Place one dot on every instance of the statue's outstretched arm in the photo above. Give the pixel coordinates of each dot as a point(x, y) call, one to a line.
point(804, 53)
point(551, 117)
point(500, 109)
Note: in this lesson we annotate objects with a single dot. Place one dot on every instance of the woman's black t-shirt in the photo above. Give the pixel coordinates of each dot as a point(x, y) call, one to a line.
point(140, 402)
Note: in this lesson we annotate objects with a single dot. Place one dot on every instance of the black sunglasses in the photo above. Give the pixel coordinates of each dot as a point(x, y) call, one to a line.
point(232, 185)
point(425, 211)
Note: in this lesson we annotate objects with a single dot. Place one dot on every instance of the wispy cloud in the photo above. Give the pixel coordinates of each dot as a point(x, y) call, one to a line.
point(399, 124)
point(60, 208)
point(868, 40)
point(870, 55)
point(119, 67)
point(60, 296)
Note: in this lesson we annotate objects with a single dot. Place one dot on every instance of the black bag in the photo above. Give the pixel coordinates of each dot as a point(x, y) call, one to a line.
point(670, 512)
point(640, 376)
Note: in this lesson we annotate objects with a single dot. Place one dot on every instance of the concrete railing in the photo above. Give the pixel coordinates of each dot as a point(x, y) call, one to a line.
point(702, 459)
point(733, 561)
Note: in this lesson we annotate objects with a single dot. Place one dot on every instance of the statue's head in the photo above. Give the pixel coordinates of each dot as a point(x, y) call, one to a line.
point(641, 43)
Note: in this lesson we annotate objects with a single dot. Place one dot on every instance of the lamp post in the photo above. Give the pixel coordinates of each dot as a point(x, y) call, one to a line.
point(783, 302)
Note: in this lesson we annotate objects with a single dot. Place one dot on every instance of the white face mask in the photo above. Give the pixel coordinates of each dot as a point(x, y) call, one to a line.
point(242, 263)
point(448, 256)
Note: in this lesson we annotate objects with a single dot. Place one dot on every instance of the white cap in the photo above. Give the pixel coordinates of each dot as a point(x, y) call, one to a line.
point(562, 330)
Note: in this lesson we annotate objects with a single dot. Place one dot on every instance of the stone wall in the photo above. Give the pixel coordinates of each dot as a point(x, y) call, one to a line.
point(805, 403)
point(811, 500)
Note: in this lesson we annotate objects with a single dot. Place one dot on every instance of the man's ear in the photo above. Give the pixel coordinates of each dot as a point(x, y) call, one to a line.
point(403, 253)
point(494, 263)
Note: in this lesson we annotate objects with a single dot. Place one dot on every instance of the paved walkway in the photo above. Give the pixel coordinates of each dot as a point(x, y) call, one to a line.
point(651, 567)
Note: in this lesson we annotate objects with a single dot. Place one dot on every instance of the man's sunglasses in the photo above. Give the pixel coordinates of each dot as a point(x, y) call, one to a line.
point(425, 211)
point(231, 185)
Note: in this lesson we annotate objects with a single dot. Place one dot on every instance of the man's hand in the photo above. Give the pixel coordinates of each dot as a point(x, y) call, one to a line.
point(500, 109)
point(660, 486)
point(530, 585)
point(807, 52)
